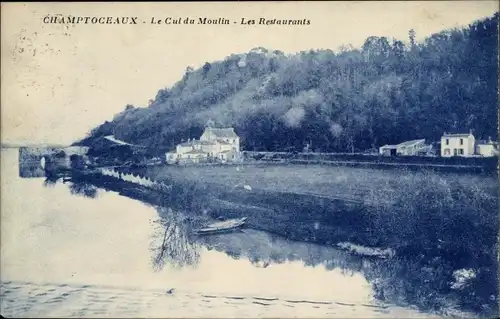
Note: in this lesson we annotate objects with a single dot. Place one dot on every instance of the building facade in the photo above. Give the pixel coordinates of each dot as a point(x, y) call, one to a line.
point(214, 145)
point(408, 148)
point(457, 145)
point(411, 148)
point(486, 148)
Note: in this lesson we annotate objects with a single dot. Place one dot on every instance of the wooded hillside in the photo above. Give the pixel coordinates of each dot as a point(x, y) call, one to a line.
point(351, 100)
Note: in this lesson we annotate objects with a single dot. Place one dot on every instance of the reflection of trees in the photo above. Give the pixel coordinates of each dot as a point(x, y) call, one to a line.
point(50, 181)
point(83, 189)
point(263, 250)
point(406, 280)
point(171, 243)
point(30, 168)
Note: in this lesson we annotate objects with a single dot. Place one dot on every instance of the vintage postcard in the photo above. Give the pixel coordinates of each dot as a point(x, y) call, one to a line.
point(249, 159)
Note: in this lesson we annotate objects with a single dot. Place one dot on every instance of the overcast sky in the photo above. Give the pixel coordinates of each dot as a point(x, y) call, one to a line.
point(59, 81)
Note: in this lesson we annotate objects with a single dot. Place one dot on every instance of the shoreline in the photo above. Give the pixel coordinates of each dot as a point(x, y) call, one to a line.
point(339, 221)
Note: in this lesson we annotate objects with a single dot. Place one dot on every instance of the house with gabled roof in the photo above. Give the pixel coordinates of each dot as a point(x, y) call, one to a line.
point(458, 144)
point(407, 148)
point(211, 134)
point(411, 148)
point(465, 144)
point(214, 145)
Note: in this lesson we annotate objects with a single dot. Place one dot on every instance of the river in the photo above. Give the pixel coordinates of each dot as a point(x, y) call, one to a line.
point(79, 251)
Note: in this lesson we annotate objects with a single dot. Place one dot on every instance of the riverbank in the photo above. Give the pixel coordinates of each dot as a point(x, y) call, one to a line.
point(459, 164)
point(438, 221)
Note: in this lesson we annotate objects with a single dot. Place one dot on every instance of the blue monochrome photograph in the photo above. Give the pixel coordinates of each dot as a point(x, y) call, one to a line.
point(324, 159)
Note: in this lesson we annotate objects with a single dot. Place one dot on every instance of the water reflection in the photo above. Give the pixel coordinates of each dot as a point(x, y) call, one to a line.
point(264, 249)
point(253, 261)
point(82, 189)
point(171, 242)
point(50, 181)
point(31, 168)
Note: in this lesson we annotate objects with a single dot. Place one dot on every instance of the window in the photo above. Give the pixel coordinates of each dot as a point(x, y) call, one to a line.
point(446, 151)
point(455, 152)
point(462, 142)
point(461, 151)
point(447, 142)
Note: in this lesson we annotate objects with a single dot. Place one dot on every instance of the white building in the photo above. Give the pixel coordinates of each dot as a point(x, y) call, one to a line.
point(215, 145)
point(408, 148)
point(458, 145)
point(76, 150)
point(411, 148)
point(486, 148)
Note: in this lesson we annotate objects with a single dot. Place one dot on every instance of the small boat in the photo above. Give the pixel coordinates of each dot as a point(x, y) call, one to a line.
point(223, 226)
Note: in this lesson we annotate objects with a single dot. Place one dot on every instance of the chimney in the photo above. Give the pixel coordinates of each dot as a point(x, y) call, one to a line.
point(489, 140)
point(470, 132)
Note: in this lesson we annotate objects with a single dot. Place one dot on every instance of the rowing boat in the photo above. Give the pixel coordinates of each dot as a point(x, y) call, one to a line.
point(223, 226)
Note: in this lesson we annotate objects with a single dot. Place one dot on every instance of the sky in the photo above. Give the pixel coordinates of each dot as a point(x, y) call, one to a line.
point(61, 80)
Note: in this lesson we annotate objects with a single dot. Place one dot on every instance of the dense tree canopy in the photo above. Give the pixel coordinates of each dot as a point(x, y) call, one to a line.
point(351, 100)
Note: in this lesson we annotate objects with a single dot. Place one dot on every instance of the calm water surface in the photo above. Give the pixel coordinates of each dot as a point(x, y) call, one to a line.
point(72, 250)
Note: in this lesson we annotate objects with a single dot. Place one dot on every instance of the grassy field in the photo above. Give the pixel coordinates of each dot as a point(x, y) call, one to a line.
point(436, 222)
point(360, 184)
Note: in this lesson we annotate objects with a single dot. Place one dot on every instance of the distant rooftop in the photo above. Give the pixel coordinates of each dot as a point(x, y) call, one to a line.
point(410, 143)
point(195, 152)
point(457, 133)
point(114, 140)
point(222, 132)
point(404, 144)
point(486, 142)
point(197, 142)
point(387, 146)
point(206, 142)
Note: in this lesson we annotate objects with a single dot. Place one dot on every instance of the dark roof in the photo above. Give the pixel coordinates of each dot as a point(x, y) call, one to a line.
point(197, 142)
point(195, 152)
point(457, 135)
point(206, 142)
point(222, 132)
point(389, 146)
point(186, 144)
point(486, 142)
